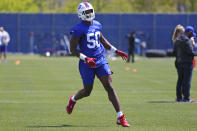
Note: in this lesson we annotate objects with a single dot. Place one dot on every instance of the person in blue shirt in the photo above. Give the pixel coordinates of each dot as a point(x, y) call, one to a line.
point(88, 43)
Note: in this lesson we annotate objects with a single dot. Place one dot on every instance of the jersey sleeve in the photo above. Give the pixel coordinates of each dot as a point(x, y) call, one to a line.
point(76, 31)
point(99, 25)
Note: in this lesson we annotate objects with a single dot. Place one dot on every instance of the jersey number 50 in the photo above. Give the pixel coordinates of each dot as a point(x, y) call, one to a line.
point(93, 39)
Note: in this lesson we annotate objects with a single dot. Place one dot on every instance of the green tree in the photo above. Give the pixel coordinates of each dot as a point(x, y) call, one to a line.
point(101, 6)
point(20, 6)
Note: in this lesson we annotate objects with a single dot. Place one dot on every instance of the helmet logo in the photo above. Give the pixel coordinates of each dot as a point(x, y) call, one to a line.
point(86, 4)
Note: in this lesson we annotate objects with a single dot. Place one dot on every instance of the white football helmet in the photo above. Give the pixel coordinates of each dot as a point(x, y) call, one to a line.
point(82, 11)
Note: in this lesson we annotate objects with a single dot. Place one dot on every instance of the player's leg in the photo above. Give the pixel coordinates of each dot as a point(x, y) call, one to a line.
point(104, 75)
point(87, 75)
point(84, 92)
point(107, 83)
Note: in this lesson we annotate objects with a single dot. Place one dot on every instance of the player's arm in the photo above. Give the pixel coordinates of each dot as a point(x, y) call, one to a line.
point(74, 41)
point(108, 46)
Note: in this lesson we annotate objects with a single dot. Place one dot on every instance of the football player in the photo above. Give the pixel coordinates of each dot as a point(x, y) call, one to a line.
point(88, 43)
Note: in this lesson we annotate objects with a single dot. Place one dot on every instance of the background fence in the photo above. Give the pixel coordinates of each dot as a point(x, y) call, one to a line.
point(41, 31)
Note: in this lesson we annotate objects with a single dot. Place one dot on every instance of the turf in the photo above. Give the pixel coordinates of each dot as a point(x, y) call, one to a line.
point(34, 93)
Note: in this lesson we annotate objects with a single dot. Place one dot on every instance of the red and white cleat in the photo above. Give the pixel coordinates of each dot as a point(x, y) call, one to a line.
point(192, 101)
point(122, 121)
point(70, 105)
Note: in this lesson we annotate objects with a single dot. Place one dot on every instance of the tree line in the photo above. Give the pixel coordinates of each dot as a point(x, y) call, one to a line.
point(101, 6)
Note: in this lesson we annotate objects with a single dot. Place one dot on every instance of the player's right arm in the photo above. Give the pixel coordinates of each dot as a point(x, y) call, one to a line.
point(74, 41)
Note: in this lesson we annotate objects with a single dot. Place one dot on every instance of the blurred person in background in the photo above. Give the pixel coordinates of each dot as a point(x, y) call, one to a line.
point(87, 35)
point(178, 31)
point(183, 50)
point(193, 44)
point(131, 49)
point(4, 40)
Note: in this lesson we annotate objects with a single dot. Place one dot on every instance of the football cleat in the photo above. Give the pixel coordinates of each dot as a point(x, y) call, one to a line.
point(190, 101)
point(122, 121)
point(70, 105)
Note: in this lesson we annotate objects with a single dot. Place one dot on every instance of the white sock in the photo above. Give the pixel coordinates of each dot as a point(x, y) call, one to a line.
point(73, 99)
point(119, 114)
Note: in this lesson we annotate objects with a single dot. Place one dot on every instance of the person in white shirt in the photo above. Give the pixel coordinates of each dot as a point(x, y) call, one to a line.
point(4, 40)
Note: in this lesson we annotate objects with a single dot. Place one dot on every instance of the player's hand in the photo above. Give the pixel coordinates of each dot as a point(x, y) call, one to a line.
point(122, 54)
point(91, 62)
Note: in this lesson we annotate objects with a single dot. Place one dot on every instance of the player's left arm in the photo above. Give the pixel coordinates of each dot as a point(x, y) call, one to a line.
point(105, 42)
point(109, 46)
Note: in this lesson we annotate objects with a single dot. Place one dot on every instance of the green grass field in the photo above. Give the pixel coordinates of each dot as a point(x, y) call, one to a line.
point(34, 94)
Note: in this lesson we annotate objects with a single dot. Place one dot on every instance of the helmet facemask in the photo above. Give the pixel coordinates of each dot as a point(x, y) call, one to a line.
point(89, 14)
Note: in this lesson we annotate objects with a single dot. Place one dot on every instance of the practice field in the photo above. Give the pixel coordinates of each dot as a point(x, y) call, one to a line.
point(34, 92)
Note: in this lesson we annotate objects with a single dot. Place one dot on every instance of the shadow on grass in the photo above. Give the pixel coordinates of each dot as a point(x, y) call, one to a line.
point(61, 126)
point(48, 126)
point(161, 102)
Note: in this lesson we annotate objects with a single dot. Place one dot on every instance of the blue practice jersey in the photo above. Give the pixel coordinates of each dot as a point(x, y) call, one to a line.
point(90, 44)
